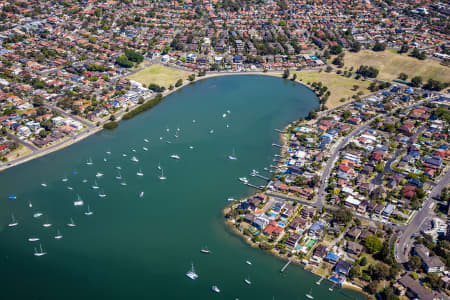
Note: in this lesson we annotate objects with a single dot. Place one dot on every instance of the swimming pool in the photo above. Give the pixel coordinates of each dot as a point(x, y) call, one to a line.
point(281, 224)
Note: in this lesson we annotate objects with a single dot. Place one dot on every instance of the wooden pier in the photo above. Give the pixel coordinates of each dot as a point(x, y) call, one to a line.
point(276, 145)
point(285, 266)
point(253, 186)
point(280, 131)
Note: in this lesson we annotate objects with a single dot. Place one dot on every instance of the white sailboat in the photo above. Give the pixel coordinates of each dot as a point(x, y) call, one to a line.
point(193, 121)
point(58, 235)
point(78, 202)
point(191, 147)
point(211, 131)
point(123, 183)
point(89, 162)
point(108, 152)
point(84, 181)
point(41, 252)
point(124, 155)
point(224, 115)
point(88, 212)
point(141, 194)
point(119, 168)
point(248, 262)
point(98, 175)
point(65, 179)
point(29, 204)
point(205, 250)
point(175, 156)
point(309, 295)
point(228, 111)
point(133, 150)
point(191, 273)
point(70, 188)
point(72, 223)
point(33, 239)
point(102, 194)
point(134, 158)
point(13, 223)
point(162, 177)
point(104, 159)
point(145, 148)
point(247, 281)
point(159, 166)
point(140, 173)
point(43, 184)
point(119, 176)
point(145, 140)
point(232, 156)
point(95, 186)
point(37, 215)
point(47, 225)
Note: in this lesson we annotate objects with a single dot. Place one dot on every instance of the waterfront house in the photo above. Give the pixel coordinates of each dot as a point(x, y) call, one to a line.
point(431, 263)
point(342, 267)
point(316, 229)
point(354, 248)
point(331, 257)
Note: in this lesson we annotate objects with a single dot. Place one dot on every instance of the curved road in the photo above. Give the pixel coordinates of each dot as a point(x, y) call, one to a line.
point(403, 247)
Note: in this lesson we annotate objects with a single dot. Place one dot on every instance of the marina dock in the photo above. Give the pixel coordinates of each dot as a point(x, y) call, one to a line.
point(253, 186)
point(285, 266)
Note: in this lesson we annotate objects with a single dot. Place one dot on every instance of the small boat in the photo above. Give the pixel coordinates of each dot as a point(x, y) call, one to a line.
point(84, 181)
point(174, 156)
point(191, 147)
point(231, 199)
point(140, 173)
point(79, 201)
point(228, 111)
point(13, 223)
point(123, 183)
point(98, 175)
point(124, 155)
point(331, 287)
point(168, 142)
point(33, 239)
point(119, 168)
point(145, 148)
point(12, 197)
point(162, 177)
point(41, 252)
point(159, 166)
point(119, 176)
point(224, 115)
point(205, 250)
point(43, 184)
point(47, 225)
point(108, 152)
point(167, 129)
point(104, 159)
point(70, 188)
point(178, 129)
point(233, 156)
point(102, 194)
point(58, 235)
point(176, 136)
point(89, 162)
point(309, 295)
point(95, 186)
point(37, 215)
point(29, 204)
point(191, 273)
point(211, 131)
point(134, 158)
point(88, 212)
point(160, 137)
point(215, 289)
point(248, 262)
point(145, 140)
point(72, 223)
point(319, 281)
point(141, 194)
point(193, 121)
point(65, 179)
point(247, 281)
point(243, 179)
point(227, 126)
point(133, 150)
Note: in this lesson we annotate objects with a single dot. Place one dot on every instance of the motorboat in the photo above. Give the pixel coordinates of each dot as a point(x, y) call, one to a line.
point(215, 289)
point(37, 215)
point(98, 175)
point(33, 239)
point(134, 158)
point(175, 156)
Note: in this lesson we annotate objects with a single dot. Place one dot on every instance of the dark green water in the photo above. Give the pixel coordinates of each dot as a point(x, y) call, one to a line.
point(141, 248)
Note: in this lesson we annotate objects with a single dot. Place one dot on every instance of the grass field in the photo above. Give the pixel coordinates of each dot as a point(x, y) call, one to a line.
point(392, 64)
point(160, 75)
point(19, 152)
point(338, 85)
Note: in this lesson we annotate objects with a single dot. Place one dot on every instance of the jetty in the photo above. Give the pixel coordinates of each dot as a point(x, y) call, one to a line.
point(276, 145)
point(279, 130)
point(254, 186)
point(285, 266)
point(262, 177)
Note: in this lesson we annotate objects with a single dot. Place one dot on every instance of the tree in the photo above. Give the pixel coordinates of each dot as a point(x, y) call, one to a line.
point(367, 71)
point(356, 46)
point(373, 244)
point(379, 46)
point(179, 82)
point(124, 62)
point(372, 287)
point(337, 49)
point(416, 81)
point(402, 76)
point(363, 261)
point(294, 77)
point(286, 73)
point(403, 49)
point(346, 114)
point(415, 262)
point(191, 77)
point(435, 85)
point(379, 167)
point(388, 294)
point(354, 272)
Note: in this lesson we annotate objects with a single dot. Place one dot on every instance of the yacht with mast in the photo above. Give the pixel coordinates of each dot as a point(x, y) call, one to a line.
point(89, 162)
point(79, 201)
point(95, 186)
point(205, 250)
point(215, 289)
point(72, 223)
point(88, 212)
point(191, 273)
point(140, 173)
point(162, 177)
point(309, 295)
point(33, 239)
point(102, 194)
point(233, 156)
point(13, 223)
point(58, 235)
point(41, 251)
point(175, 156)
